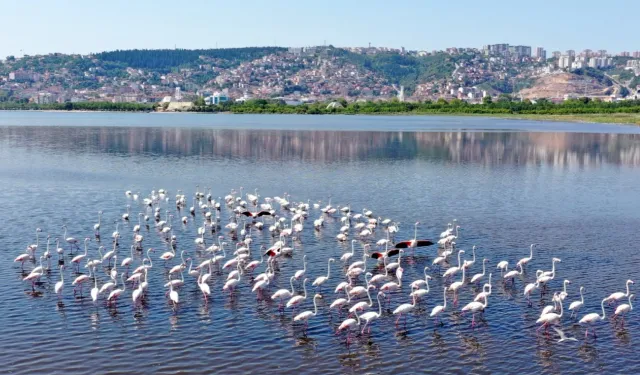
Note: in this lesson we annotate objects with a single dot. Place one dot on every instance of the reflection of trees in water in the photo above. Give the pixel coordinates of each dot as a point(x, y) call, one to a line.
point(327, 146)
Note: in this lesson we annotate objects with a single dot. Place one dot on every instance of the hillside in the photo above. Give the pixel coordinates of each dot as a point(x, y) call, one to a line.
point(297, 74)
point(559, 85)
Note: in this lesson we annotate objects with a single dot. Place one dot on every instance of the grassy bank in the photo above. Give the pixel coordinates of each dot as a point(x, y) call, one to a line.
point(606, 118)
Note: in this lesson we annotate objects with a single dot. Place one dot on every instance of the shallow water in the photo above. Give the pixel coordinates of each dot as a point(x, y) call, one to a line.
point(509, 184)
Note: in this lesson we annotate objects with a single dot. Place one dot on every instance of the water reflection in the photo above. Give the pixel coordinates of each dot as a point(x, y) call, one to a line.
point(563, 149)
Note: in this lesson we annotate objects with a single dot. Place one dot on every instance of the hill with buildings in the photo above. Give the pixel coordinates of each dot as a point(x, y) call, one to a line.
point(299, 75)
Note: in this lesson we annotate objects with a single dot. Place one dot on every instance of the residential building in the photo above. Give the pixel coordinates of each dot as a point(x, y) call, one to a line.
point(556, 54)
point(571, 53)
point(602, 53)
point(624, 54)
point(541, 54)
point(636, 55)
point(565, 61)
point(216, 98)
point(520, 51)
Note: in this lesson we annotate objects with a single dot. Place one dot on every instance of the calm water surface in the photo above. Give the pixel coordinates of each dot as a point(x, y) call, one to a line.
point(572, 188)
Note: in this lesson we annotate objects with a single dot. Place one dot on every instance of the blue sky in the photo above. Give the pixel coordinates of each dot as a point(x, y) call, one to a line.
point(38, 26)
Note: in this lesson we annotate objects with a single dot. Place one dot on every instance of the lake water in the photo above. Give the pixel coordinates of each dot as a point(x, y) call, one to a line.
point(572, 188)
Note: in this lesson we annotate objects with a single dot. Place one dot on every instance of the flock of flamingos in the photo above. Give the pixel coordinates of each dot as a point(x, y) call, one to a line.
point(229, 249)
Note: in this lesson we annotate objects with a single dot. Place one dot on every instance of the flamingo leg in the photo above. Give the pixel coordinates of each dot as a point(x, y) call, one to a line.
point(397, 320)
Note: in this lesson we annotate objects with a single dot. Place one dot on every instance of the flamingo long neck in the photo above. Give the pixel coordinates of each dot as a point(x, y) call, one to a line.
point(328, 268)
point(61, 275)
point(444, 296)
point(315, 306)
point(65, 233)
point(630, 305)
point(414, 300)
point(486, 302)
point(463, 275)
point(564, 289)
point(304, 286)
point(353, 249)
point(531, 252)
point(370, 300)
point(561, 309)
point(379, 306)
point(627, 295)
point(85, 248)
point(415, 232)
point(473, 250)
point(581, 297)
point(149, 257)
point(456, 231)
point(291, 283)
point(427, 281)
point(366, 280)
point(459, 252)
point(182, 257)
point(553, 270)
point(603, 314)
point(483, 267)
point(100, 251)
point(99, 218)
point(132, 252)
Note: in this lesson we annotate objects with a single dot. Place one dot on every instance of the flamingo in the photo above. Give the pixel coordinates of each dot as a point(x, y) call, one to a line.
point(528, 289)
point(78, 258)
point(125, 216)
point(622, 309)
point(551, 318)
point(173, 295)
point(474, 307)
point(94, 290)
point(512, 274)
point(503, 265)
point(60, 284)
point(22, 258)
point(478, 276)
point(370, 316)
point(469, 263)
point(34, 247)
point(346, 256)
point(126, 262)
point(545, 277)
point(391, 286)
point(413, 243)
point(577, 305)
point(282, 294)
point(300, 273)
point(296, 300)
point(526, 260)
point(394, 265)
point(96, 227)
point(204, 288)
point(348, 324)
point(405, 308)
point(322, 279)
point(35, 275)
point(340, 302)
point(619, 295)
point(436, 311)
point(453, 270)
point(360, 306)
point(563, 294)
point(72, 241)
point(230, 285)
point(592, 318)
point(483, 293)
point(456, 285)
point(80, 280)
point(421, 282)
point(420, 292)
point(305, 315)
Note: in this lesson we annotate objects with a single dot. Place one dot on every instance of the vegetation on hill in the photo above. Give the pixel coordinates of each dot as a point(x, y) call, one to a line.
point(165, 59)
point(405, 70)
point(596, 74)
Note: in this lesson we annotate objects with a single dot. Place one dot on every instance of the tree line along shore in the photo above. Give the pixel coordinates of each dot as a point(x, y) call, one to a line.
point(583, 109)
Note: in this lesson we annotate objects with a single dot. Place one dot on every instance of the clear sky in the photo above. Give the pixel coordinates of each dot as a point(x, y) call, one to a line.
point(82, 26)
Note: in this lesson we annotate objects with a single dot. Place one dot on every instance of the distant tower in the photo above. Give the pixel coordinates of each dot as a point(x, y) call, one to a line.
point(401, 94)
point(178, 94)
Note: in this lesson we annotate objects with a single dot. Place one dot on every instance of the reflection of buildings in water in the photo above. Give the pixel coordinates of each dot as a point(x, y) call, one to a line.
point(562, 149)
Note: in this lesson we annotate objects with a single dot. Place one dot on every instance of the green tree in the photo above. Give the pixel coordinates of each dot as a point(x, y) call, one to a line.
point(199, 102)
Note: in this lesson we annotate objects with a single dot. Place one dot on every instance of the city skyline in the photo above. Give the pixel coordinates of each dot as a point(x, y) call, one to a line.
point(410, 24)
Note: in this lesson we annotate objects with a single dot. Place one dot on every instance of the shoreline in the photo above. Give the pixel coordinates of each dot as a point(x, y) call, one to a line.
point(602, 118)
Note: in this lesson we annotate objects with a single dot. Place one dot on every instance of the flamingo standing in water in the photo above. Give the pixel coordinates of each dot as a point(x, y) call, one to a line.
point(591, 319)
point(615, 297)
point(370, 316)
point(622, 309)
point(551, 318)
point(435, 313)
point(60, 284)
point(405, 308)
point(305, 315)
point(348, 324)
point(576, 305)
point(474, 307)
point(526, 260)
